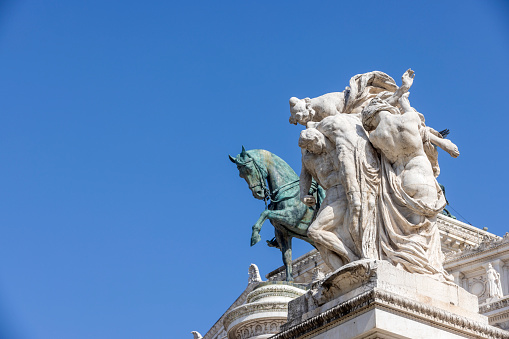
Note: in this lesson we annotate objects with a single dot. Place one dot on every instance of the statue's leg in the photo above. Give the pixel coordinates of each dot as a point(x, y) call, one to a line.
point(255, 236)
point(285, 243)
point(323, 231)
point(285, 217)
point(288, 216)
point(351, 184)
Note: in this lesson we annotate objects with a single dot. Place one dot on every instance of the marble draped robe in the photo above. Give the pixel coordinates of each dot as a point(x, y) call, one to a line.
point(413, 246)
point(367, 167)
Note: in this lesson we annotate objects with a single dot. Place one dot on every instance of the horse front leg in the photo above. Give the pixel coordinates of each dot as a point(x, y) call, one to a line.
point(285, 243)
point(279, 216)
point(255, 235)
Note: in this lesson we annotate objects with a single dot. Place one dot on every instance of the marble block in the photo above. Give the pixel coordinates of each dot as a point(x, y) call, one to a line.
point(374, 299)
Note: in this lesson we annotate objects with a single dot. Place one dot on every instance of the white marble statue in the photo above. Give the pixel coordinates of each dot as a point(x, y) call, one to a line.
point(363, 88)
point(254, 274)
point(378, 205)
point(336, 152)
point(410, 197)
point(494, 285)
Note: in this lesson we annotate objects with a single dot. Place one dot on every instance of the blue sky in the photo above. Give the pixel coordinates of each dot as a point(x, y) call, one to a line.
point(120, 213)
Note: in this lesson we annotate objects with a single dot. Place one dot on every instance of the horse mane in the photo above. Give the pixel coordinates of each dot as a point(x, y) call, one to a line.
point(268, 158)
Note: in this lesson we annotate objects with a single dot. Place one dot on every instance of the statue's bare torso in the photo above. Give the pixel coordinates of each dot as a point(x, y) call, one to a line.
point(399, 139)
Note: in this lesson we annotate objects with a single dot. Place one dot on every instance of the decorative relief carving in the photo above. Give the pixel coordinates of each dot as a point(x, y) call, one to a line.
point(461, 230)
point(383, 298)
point(249, 309)
point(265, 310)
point(252, 329)
point(501, 303)
point(486, 244)
point(477, 286)
point(318, 274)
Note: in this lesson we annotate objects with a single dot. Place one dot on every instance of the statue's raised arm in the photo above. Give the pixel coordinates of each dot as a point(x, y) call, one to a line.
point(429, 133)
point(407, 80)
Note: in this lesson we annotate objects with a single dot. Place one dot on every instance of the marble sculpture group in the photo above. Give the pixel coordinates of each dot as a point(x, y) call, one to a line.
point(376, 159)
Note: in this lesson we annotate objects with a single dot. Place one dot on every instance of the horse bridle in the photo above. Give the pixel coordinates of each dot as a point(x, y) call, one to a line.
point(273, 196)
point(266, 191)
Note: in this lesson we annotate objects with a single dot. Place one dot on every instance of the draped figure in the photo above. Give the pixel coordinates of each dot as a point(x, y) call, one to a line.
point(382, 197)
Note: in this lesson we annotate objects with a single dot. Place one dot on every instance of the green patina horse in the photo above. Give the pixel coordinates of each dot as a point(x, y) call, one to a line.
point(271, 179)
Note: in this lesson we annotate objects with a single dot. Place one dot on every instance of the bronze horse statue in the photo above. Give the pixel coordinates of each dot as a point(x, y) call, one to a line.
point(271, 179)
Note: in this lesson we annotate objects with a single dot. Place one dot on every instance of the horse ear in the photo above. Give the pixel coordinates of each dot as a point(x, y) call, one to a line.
point(243, 153)
point(232, 159)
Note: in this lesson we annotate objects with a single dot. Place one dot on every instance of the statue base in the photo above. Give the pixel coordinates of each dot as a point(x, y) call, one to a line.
point(374, 299)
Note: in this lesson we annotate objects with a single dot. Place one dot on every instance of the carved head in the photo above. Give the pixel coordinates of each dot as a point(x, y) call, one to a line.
point(312, 140)
point(370, 116)
point(251, 172)
point(301, 111)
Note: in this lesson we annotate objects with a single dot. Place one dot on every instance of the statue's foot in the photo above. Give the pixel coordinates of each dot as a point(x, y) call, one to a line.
point(273, 243)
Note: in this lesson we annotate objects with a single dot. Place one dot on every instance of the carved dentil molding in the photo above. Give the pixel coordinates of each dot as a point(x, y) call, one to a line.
point(464, 231)
point(470, 251)
point(378, 297)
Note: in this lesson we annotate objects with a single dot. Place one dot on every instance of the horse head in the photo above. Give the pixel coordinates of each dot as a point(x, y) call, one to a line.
point(252, 172)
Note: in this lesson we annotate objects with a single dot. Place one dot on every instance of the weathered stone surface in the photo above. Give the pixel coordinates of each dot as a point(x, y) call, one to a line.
point(263, 313)
point(469, 249)
point(378, 230)
point(377, 206)
point(362, 276)
point(369, 297)
point(336, 152)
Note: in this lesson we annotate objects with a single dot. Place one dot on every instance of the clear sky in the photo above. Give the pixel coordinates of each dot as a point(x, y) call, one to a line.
point(120, 213)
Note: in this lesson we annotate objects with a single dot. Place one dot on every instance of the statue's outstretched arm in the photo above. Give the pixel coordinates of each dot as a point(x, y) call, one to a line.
point(445, 144)
point(429, 133)
point(408, 80)
point(434, 132)
point(305, 185)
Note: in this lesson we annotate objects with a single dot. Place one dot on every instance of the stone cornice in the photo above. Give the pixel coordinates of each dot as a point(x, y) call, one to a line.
point(275, 290)
point(469, 233)
point(494, 305)
point(376, 297)
point(268, 300)
point(252, 308)
point(484, 249)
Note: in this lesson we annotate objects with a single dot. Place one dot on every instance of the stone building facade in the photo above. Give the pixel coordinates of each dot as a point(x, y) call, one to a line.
point(470, 252)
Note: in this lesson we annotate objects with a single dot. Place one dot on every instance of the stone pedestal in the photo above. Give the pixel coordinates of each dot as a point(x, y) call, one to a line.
point(373, 299)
